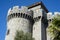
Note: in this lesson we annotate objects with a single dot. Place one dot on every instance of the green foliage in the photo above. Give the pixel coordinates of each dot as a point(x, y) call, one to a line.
point(56, 22)
point(20, 35)
point(54, 28)
point(57, 37)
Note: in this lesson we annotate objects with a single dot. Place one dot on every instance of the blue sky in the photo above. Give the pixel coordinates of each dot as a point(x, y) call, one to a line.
point(51, 5)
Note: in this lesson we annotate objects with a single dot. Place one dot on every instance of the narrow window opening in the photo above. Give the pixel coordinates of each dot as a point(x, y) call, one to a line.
point(8, 32)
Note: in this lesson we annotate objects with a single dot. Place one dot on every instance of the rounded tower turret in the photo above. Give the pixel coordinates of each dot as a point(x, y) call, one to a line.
point(18, 19)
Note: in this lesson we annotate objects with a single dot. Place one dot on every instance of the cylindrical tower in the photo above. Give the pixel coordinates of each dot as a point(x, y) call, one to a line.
point(18, 19)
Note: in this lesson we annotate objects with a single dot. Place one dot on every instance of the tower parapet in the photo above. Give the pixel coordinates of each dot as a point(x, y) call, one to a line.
point(20, 12)
point(17, 9)
point(50, 15)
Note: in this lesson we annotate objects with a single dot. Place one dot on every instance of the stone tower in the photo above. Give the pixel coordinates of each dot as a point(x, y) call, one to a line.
point(18, 19)
point(40, 20)
point(31, 19)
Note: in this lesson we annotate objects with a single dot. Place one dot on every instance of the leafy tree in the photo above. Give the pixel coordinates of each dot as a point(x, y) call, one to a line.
point(54, 28)
point(20, 35)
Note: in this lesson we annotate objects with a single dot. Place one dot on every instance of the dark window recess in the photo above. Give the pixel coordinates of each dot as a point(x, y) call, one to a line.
point(23, 15)
point(49, 19)
point(16, 14)
point(39, 17)
point(26, 15)
point(8, 32)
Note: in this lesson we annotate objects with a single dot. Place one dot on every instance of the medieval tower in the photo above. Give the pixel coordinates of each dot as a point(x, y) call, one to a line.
point(31, 19)
point(18, 19)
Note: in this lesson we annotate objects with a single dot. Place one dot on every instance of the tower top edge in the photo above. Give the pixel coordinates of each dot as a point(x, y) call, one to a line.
point(17, 9)
point(37, 4)
point(22, 9)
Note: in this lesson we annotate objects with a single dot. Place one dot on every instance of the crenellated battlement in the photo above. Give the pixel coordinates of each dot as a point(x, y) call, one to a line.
point(50, 15)
point(22, 9)
point(22, 12)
